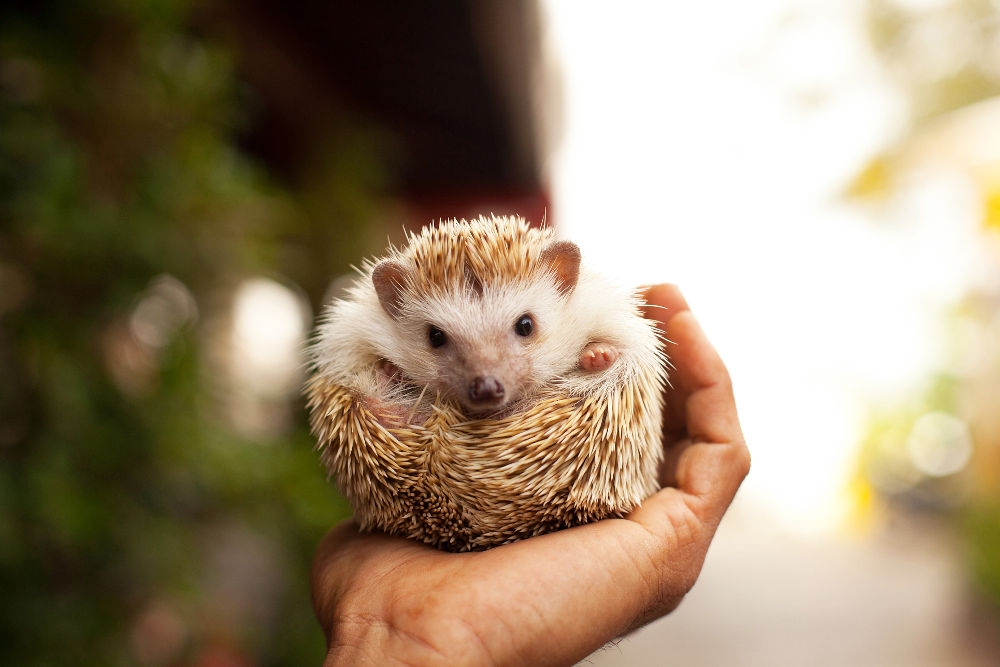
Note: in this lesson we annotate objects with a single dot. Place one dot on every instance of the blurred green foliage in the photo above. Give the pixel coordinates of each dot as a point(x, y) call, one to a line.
point(945, 54)
point(979, 524)
point(943, 57)
point(128, 500)
point(964, 390)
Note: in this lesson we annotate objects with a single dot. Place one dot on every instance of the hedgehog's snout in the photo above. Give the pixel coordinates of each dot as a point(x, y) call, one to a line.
point(486, 389)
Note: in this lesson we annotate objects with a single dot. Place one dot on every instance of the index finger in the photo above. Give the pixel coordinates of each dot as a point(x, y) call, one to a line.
point(663, 302)
point(712, 467)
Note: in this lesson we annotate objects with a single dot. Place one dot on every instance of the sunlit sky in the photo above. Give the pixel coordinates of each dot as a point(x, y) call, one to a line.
point(707, 144)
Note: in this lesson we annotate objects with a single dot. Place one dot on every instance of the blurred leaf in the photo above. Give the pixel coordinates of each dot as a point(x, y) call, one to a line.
point(120, 162)
point(982, 533)
point(989, 181)
point(873, 182)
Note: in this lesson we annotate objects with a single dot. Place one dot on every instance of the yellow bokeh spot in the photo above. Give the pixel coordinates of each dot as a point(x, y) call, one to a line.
point(987, 178)
point(874, 181)
point(863, 507)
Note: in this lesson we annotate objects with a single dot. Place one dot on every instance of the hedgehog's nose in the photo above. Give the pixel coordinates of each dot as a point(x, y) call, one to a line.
point(485, 389)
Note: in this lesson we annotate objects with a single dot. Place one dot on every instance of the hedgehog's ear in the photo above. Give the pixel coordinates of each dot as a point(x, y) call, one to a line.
point(389, 278)
point(562, 259)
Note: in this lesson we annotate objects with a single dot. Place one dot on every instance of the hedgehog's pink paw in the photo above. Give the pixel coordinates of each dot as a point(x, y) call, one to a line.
point(598, 356)
point(389, 371)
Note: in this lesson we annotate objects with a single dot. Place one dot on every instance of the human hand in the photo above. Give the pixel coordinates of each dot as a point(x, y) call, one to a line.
point(552, 599)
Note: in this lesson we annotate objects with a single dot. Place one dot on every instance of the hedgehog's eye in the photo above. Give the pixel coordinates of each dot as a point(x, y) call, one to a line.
point(436, 336)
point(524, 325)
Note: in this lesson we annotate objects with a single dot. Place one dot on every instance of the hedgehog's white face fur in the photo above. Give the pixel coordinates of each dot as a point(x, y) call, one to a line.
point(484, 345)
point(468, 308)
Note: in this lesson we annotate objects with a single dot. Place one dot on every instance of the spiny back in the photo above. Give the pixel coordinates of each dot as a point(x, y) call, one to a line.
point(494, 250)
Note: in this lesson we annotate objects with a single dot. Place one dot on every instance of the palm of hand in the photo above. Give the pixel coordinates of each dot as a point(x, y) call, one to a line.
point(556, 598)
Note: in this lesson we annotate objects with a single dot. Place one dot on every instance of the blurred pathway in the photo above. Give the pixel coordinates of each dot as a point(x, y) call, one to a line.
point(898, 598)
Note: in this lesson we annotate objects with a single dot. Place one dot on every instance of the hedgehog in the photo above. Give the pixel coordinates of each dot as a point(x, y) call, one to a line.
point(479, 386)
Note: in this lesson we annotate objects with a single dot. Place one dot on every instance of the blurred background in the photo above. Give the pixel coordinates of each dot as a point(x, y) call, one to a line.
point(183, 185)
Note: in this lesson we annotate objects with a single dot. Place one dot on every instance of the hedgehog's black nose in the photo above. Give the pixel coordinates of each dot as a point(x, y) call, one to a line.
point(485, 389)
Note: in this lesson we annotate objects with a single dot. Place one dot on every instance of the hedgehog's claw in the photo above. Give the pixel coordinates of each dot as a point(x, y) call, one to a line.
point(598, 356)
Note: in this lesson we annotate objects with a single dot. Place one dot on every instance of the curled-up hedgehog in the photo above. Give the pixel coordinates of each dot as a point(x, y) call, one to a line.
point(480, 386)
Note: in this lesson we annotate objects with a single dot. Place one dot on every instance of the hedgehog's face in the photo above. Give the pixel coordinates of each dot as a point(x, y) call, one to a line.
point(484, 346)
point(477, 350)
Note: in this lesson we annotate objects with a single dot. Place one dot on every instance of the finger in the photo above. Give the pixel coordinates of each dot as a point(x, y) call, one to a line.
point(665, 301)
point(710, 409)
point(673, 447)
point(712, 468)
point(710, 475)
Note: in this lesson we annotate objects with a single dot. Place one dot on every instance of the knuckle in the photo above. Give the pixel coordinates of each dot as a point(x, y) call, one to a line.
point(741, 462)
point(725, 379)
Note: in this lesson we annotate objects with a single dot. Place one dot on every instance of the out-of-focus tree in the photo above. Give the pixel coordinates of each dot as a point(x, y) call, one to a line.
point(945, 53)
point(140, 523)
point(939, 448)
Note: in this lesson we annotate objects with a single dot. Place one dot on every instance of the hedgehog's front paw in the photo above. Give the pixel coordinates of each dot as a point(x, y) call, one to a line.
point(598, 356)
point(389, 371)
